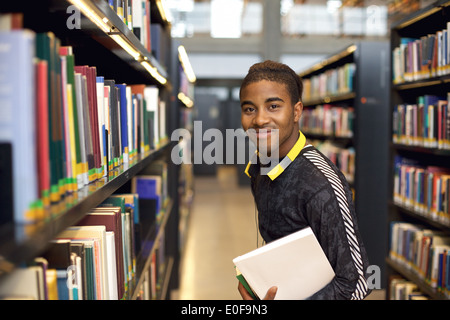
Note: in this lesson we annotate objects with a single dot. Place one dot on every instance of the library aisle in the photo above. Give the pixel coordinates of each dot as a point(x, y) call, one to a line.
point(222, 226)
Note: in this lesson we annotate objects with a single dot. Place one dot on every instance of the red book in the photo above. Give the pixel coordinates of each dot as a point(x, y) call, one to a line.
point(42, 125)
point(95, 161)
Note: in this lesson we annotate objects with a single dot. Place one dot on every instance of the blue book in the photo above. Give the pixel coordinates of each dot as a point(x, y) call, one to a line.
point(447, 272)
point(18, 120)
point(148, 187)
point(63, 290)
point(123, 120)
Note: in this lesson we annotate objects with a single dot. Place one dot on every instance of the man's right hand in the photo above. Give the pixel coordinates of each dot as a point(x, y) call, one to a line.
point(270, 295)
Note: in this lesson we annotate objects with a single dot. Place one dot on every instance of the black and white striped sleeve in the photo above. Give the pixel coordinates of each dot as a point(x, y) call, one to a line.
point(331, 215)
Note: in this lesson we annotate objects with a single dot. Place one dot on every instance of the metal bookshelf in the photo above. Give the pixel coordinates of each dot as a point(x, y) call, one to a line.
point(370, 101)
point(118, 54)
point(426, 21)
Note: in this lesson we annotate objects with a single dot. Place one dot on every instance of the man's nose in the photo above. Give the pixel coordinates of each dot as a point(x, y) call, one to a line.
point(261, 118)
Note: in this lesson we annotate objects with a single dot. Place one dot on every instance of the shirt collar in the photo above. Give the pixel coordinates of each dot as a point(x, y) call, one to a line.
point(283, 164)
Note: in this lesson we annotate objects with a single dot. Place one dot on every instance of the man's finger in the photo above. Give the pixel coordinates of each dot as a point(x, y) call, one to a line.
point(270, 295)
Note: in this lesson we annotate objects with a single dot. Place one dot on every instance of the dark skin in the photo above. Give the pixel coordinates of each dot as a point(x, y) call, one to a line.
point(266, 106)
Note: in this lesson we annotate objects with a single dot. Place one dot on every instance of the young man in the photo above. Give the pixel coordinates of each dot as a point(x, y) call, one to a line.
point(305, 188)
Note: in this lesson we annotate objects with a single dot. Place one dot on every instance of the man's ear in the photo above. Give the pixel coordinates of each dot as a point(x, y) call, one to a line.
point(298, 109)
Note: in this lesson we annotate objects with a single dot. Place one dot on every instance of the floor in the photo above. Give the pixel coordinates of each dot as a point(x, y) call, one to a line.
point(222, 226)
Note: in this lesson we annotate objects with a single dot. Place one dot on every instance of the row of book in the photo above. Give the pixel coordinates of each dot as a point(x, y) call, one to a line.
point(343, 158)
point(424, 252)
point(329, 83)
point(403, 289)
point(425, 123)
point(423, 189)
point(136, 15)
point(421, 58)
point(328, 120)
point(96, 259)
point(67, 125)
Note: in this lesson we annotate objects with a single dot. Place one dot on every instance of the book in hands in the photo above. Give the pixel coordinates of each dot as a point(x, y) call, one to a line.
point(296, 264)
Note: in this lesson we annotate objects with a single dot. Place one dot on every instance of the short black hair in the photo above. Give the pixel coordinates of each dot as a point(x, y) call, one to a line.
point(276, 72)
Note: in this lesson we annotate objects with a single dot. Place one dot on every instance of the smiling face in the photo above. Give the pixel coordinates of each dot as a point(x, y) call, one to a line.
point(269, 116)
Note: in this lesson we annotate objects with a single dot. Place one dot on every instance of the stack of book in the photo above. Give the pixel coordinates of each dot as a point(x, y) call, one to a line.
point(328, 120)
point(421, 58)
point(343, 158)
point(332, 82)
point(135, 14)
point(96, 259)
point(423, 189)
point(425, 123)
point(402, 289)
point(66, 124)
point(422, 251)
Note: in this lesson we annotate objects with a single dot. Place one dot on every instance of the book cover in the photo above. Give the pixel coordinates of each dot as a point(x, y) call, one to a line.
point(23, 284)
point(123, 120)
point(18, 119)
point(97, 233)
point(42, 131)
point(110, 217)
point(66, 51)
point(296, 264)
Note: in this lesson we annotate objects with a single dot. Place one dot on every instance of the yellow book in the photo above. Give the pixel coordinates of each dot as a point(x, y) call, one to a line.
point(52, 287)
point(72, 139)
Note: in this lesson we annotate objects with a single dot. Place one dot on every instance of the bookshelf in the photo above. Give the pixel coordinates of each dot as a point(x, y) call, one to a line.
point(105, 40)
point(185, 84)
point(354, 82)
point(419, 151)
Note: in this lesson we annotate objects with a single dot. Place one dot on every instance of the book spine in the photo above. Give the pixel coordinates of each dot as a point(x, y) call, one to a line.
point(18, 120)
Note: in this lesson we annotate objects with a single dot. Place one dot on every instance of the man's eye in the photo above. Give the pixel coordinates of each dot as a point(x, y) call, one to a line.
point(249, 109)
point(273, 106)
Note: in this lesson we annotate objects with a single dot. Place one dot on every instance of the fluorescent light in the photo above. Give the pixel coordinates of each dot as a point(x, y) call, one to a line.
point(92, 14)
point(186, 64)
point(226, 18)
point(186, 100)
point(165, 14)
point(126, 46)
point(97, 17)
point(154, 72)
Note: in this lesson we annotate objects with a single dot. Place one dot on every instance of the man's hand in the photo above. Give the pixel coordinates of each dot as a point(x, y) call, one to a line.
point(270, 295)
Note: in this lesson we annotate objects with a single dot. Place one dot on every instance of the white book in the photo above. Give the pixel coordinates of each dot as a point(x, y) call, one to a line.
point(111, 264)
point(93, 232)
point(18, 119)
point(23, 284)
point(296, 264)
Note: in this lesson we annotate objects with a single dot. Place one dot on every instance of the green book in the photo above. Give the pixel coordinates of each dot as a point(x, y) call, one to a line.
point(242, 280)
point(67, 51)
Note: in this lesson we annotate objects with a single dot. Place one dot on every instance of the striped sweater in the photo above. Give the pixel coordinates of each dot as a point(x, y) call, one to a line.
point(311, 191)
